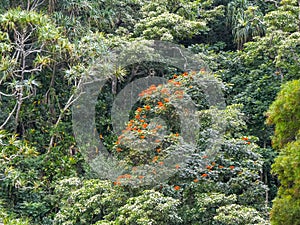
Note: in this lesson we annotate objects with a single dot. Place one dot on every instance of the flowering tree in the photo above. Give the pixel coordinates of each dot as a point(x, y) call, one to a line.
point(229, 177)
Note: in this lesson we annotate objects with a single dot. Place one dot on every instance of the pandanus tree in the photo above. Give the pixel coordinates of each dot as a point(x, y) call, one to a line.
point(29, 44)
point(246, 21)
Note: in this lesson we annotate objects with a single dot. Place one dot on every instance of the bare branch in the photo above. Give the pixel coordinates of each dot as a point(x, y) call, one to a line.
point(7, 95)
point(70, 101)
point(9, 116)
point(38, 69)
point(273, 1)
point(35, 4)
point(30, 51)
point(27, 96)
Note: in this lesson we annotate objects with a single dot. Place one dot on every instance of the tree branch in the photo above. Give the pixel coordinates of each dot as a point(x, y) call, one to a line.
point(9, 116)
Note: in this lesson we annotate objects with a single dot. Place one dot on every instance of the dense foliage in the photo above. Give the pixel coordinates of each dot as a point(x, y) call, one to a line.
point(228, 169)
point(285, 113)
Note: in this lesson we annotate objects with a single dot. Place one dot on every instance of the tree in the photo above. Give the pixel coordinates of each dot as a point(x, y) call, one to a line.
point(206, 188)
point(169, 21)
point(245, 20)
point(86, 201)
point(150, 207)
point(110, 17)
point(284, 113)
point(30, 45)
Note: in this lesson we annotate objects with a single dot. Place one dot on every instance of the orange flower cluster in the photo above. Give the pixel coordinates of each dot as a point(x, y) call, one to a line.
point(165, 91)
point(124, 176)
point(179, 94)
point(185, 74)
point(247, 140)
point(148, 91)
point(155, 158)
point(138, 125)
point(209, 167)
point(117, 183)
point(160, 104)
point(177, 83)
point(176, 188)
point(156, 99)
